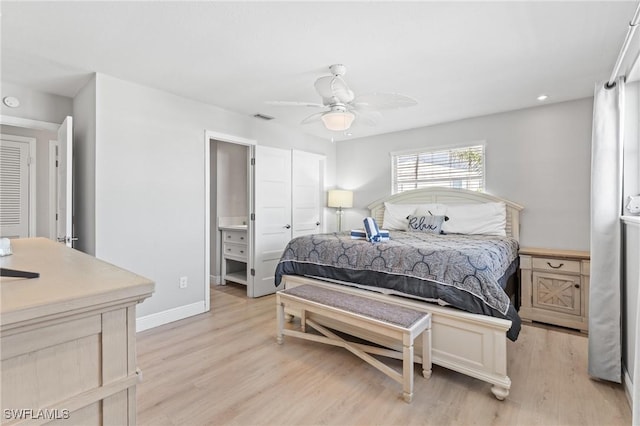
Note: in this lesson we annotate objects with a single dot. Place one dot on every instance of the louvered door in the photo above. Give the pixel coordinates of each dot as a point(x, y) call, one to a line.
point(14, 189)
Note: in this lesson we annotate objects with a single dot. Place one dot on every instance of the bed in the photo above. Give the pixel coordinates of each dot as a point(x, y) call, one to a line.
point(472, 315)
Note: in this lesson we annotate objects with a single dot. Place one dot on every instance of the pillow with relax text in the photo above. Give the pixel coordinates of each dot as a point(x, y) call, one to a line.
point(429, 223)
point(395, 215)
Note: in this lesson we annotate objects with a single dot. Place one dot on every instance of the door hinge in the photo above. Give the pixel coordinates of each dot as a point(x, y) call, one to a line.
point(253, 161)
point(253, 216)
point(29, 160)
point(56, 163)
point(56, 216)
point(253, 272)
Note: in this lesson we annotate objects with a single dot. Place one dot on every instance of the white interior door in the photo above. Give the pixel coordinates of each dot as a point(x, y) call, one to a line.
point(272, 207)
point(307, 185)
point(64, 211)
point(14, 188)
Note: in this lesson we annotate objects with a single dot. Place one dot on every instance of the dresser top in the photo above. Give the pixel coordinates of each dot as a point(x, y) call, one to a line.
point(69, 280)
point(570, 254)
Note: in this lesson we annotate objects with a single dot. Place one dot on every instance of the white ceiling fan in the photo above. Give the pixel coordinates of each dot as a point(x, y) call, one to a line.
point(342, 107)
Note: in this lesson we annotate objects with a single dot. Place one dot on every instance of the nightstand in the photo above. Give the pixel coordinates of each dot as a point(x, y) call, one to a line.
point(554, 286)
point(234, 254)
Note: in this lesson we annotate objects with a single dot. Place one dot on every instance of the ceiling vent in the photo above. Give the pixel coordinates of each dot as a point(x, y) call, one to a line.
point(263, 117)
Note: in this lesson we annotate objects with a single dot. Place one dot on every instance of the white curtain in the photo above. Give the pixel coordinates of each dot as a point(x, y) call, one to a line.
point(635, 392)
point(605, 352)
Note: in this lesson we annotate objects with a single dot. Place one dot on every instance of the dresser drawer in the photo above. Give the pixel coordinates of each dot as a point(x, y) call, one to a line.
point(234, 237)
point(238, 251)
point(556, 265)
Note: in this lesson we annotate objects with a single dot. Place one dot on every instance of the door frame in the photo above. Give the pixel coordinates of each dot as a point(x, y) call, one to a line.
point(32, 190)
point(53, 188)
point(222, 137)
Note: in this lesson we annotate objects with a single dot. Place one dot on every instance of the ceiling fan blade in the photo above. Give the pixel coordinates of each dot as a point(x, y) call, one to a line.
point(377, 101)
point(369, 118)
point(312, 118)
point(295, 103)
point(333, 86)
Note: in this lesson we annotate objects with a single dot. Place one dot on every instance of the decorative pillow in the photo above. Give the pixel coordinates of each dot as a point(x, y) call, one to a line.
point(395, 215)
point(429, 223)
point(474, 219)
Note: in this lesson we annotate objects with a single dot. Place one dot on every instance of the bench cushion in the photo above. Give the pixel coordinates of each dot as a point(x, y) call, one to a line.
point(382, 311)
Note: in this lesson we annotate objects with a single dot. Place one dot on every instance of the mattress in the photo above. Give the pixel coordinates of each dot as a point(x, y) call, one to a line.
point(467, 272)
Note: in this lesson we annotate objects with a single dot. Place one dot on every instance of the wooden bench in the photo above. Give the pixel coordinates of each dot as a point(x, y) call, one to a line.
point(397, 322)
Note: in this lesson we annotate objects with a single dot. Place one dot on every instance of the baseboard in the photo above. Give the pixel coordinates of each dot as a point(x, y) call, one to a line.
point(628, 387)
point(154, 320)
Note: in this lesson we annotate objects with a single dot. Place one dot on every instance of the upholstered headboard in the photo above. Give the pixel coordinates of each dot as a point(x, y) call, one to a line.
point(450, 196)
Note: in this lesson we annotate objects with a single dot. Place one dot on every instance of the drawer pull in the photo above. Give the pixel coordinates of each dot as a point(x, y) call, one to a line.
point(242, 238)
point(241, 251)
point(576, 285)
point(555, 267)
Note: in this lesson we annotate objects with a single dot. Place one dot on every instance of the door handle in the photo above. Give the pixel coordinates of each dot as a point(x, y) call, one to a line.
point(287, 226)
point(317, 223)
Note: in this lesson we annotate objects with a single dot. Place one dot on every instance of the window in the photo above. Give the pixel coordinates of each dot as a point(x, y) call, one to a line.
point(461, 167)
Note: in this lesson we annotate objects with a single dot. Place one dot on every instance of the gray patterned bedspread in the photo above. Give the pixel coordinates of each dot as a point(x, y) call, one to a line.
point(464, 271)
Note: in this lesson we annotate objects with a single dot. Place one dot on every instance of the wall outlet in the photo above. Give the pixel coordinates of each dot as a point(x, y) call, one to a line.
point(184, 281)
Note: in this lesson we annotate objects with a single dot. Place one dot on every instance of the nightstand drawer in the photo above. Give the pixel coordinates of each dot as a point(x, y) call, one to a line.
point(235, 250)
point(234, 237)
point(556, 265)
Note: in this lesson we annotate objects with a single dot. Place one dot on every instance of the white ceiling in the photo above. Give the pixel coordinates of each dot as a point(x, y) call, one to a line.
point(457, 59)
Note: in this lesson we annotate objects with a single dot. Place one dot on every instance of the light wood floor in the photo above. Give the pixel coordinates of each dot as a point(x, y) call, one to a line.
point(224, 367)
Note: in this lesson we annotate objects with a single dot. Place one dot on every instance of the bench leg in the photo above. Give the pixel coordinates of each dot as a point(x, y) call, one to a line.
point(407, 369)
point(426, 353)
point(280, 321)
point(303, 321)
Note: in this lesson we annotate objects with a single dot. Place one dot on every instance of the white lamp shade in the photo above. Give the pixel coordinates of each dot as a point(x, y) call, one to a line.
point(338, 120)
point(340, 198)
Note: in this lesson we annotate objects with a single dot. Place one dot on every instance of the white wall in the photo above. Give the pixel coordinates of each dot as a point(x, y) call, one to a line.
point(538, 157)
point(149, 182)
point(84, 167)
point(231, 179)
point(35, 105)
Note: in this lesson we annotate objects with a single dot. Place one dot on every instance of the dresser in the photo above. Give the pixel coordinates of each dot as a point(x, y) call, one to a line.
point(68, 337)
point(555, 287)
point(233, 265)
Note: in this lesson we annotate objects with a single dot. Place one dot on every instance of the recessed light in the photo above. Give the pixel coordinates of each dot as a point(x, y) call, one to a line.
point(542, 98)
point(11, 101)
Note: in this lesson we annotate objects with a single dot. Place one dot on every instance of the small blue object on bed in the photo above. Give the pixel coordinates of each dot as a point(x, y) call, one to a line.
point(371, 227)
point(361, 234)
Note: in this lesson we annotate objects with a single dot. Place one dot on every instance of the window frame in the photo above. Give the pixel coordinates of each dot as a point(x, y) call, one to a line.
point(433, 149)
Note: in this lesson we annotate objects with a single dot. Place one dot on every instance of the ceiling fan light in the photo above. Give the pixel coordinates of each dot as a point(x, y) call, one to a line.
point(338, 120)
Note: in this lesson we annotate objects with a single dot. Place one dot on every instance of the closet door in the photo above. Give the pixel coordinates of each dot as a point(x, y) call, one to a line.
point(307, 193)
point(272, 224)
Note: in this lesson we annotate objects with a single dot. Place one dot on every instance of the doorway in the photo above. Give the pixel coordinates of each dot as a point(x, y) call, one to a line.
point(51, 215)
point(229, 199)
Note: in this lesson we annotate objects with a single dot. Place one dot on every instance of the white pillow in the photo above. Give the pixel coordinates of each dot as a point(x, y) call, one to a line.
point(433, 209)
point(483, 218)
point(395, 215)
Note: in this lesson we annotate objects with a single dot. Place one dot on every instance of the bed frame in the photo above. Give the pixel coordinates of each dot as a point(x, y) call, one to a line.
point(472, 344)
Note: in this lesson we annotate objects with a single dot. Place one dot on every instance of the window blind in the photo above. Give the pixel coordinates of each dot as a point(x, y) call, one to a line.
point(461, 167)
